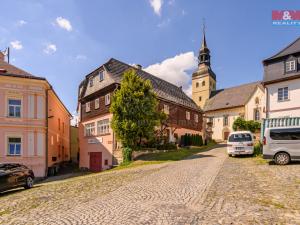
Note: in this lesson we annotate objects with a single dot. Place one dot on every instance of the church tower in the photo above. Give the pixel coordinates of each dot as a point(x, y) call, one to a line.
point(203, 79)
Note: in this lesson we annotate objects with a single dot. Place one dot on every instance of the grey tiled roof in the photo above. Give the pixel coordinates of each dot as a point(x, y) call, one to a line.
point(231, 97)
point(290, 49)
point(163, 89)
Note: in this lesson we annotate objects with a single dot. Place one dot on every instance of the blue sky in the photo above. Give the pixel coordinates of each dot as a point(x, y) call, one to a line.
point(65, 40)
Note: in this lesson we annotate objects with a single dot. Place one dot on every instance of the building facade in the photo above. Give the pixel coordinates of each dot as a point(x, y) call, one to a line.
point(282, 82)
point(98, 145)
point(34, 123)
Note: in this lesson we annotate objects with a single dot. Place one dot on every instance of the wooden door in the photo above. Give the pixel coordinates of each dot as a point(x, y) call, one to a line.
point(95, 161)
point(226, 134)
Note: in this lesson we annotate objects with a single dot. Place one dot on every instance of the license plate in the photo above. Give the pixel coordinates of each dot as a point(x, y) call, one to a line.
point(239, 148)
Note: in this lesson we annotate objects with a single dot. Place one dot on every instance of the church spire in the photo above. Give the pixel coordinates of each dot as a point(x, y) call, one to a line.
point(204, 53)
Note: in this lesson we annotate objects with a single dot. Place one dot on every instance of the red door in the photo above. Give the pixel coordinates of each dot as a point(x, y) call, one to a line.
point(95, 161)
point(226, 134)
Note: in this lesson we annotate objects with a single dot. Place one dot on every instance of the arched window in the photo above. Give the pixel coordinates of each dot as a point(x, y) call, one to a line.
point(257, 100)
point(203, 83)
point(197, 84)
point(200, 99)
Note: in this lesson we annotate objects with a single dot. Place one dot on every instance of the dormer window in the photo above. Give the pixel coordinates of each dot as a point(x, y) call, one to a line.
point(91, 82)
point(101, 75)
point(290, 66)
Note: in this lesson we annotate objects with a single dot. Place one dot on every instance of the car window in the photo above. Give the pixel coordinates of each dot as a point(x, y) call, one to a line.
point(240, 137)
point(285, 134)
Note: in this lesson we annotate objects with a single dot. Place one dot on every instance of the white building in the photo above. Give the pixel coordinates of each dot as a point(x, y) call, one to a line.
point(282, 82)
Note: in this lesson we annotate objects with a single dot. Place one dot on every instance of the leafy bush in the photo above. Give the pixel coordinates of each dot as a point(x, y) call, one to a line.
point(257, 149)
point(191, 139)
point(167, 146)
point(242, 124)
point(127, 154)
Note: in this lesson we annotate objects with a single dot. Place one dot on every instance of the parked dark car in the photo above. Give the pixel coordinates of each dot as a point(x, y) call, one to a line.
point(14, 175)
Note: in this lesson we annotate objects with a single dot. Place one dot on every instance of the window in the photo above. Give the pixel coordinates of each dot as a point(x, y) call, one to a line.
point(14, 108)
point(197, 84)
point(225, 121)
point(240, 137)
point(166, 109)
point(196, 118)
point(91, 81)
point(256, 114)
point(63, 127)
point(285, 134)
point(14, 146)
point(211, 120)
point(87, 107)
point(283, 94)
point(103, 127)
point(101, 75)
point(290, 66)
point(256, 100)
point(107, 99)
point(200, 99)
point(97, 103)
point(187, 115)
point(203, 83)
point(89, 129)
point(58, 123)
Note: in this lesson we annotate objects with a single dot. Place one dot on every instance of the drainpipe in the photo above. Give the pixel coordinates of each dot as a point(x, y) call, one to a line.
point(114, 145)
point(47, 125)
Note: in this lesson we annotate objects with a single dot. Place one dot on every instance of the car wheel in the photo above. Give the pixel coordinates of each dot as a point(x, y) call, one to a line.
point(282, 158)
point(229, 155)
point(29, 182)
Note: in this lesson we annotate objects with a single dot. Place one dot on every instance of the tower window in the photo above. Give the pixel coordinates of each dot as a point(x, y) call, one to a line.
point(197, 84)
point(203, 83)
point(200, 99)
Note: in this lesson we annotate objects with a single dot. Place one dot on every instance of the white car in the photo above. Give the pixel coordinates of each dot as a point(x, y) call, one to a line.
point(240, 143)
point(282, 144)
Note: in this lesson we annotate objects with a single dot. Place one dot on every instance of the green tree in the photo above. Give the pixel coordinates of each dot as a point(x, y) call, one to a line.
point(135, 115)
point(242, 124)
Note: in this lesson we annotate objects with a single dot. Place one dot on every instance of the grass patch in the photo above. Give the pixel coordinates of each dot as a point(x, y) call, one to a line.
point(162, 157)
point(259, 160)
point(269, 202)
point(5, 211)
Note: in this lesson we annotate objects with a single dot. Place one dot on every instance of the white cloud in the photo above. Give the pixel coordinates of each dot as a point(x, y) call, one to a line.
point(64, 23)
point(21, 23)
point(50, 49)
point(75, 119)
point(156, 5)
point(16, 45)
point(81, 57)
point(176, 70)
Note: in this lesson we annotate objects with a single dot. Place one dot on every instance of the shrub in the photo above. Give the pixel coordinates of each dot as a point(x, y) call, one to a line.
point(257, 149)
point(167, 146)
point(127, 154)
point(242, 124)
point(188, 140)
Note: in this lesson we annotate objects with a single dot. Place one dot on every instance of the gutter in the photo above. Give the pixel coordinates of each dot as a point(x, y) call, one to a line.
point(47, 127)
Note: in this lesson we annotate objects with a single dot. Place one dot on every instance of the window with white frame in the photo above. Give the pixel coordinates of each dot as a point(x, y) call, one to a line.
point(14, 145)
point(107, 99)
point(290, 66)
point(103, 127)
point(196, 117)
point(91, 81)
point(187, 115)
point(225, 120)
point(256, 114)
point(283, 94)
point(14, 108)
point(97, 103)
point(101, 75)
point(89, 129)
point(166, 109)
point(87, 107)
point(211, 120)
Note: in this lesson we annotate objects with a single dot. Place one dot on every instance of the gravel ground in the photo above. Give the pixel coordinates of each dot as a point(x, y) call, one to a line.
point(208, 188)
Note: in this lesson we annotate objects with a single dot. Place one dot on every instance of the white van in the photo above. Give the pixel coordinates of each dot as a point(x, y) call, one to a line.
point(240, 143)
point(282, 144)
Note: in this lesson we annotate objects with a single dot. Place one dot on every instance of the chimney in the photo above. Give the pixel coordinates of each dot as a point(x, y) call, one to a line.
point(2, 56)
point(137, 66)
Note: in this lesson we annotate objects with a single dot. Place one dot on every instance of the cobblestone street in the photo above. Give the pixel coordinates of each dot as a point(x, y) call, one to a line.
point(208, 188)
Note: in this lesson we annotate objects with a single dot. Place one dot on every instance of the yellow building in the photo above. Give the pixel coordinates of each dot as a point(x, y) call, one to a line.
point(222, 107)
